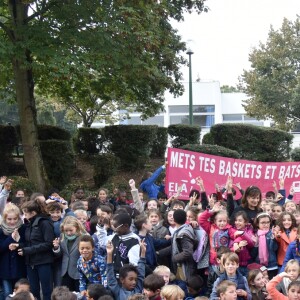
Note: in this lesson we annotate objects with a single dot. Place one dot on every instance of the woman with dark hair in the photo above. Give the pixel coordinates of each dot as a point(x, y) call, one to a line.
point(37, 250)
point(250, 203)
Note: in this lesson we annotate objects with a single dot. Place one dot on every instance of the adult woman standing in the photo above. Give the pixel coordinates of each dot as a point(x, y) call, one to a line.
point(250, 204)
point(37, 250)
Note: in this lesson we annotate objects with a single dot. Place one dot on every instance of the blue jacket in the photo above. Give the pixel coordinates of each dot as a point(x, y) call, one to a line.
point(272, 249)
point(291, 254)
point(240, 281)
point(148, 186)
point(12, 264)
point(152, 246)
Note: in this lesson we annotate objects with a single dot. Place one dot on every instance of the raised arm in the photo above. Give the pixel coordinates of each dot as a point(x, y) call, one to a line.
point(135, 196)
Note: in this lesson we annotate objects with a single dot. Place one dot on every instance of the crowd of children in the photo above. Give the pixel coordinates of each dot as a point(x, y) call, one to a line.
point(148, 246)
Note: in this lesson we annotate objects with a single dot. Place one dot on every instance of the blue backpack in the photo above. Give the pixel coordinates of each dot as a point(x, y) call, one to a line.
point(221, 238)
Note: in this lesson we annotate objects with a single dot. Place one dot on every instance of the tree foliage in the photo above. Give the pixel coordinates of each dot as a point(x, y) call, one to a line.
point(229, 89)
point(126, 50)
point(273, 83)
point(132, 57)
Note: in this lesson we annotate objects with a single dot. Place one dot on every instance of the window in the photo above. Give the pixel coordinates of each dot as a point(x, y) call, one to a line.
point(232, 117)
point(240, 118)
point(203, 121)
point(196, 108)
point(133, 121)
point(179, 120)
point(203, 115)
point(157, 120)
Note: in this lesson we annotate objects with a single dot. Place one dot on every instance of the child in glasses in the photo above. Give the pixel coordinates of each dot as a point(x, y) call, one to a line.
point(266, 243)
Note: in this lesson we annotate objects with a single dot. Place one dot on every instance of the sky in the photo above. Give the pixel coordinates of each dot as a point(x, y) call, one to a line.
point(222, 38)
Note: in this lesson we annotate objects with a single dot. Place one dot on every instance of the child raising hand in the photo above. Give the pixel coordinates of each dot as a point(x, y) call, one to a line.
point(131, 277)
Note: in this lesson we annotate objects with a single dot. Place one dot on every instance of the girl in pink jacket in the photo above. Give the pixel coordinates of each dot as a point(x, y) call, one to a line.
point(215, 223)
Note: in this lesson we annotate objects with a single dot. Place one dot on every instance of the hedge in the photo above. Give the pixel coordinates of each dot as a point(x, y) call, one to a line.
point(89, 140)
point(105, 166)
point(252, 142)
point(212, 149)
point(131, 143)
point(49, 132)
point(184, 134)
point(58, 159)
point(295, 154)
point(22, 183)
point(8, 142)
point(160, 143)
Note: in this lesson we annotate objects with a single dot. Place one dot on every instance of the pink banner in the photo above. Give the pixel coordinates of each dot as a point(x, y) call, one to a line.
point(185, 166)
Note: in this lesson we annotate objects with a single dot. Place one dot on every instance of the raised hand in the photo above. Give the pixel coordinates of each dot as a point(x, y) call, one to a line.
point(292, 190)
point(274, 185)
point(281, 183)
point(143, 246)
point(200, 182)
point(132, 184)
point(229, 183)
point(217, 207)
point(109, 248)
point(284, 274)
point(238, 185)
point(217, 187)
point(193, 199)
point(8, 184)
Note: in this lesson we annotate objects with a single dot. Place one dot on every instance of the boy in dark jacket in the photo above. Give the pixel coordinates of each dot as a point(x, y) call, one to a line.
point(184, 243)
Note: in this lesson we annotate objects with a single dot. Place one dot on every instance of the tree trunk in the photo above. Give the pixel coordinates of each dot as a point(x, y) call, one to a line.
point(28, 125)
point(25, 97)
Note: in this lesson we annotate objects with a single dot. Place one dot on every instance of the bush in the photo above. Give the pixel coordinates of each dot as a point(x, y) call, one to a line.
point(131, 143)
point(22, 183)
point(252, 142)
point(208, 139)
point(212, 149)
point(8, 142)
point(8, 139)
point(89, 141)
point(49, 132)
point(58, 159)
point(160, 143)
point(184, 134)
point(105, 166)
point(295, 154)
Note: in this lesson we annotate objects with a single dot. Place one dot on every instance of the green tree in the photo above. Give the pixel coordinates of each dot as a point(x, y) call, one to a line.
point(129, 44)
point(229, 89)
point(273, 83)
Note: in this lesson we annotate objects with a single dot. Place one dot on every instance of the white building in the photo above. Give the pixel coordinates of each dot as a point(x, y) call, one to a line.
point(210, 107)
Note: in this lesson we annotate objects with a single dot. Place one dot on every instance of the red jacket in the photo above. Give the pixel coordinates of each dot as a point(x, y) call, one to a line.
point(283, 243)
point(273, 292)
point(217, 237)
